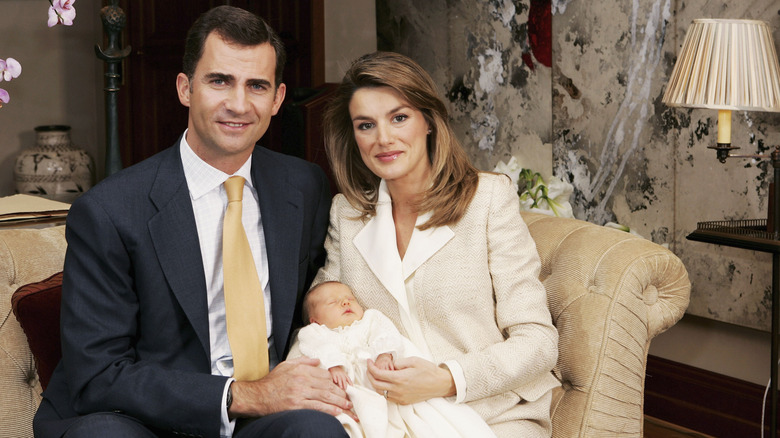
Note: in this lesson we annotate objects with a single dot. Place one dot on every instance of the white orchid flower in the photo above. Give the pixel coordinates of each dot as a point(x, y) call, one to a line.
point(511, 169)
point(622, 228)
point(558, 194)
point(535, 195)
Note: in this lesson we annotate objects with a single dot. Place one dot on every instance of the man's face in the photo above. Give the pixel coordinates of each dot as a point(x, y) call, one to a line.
point(231, 98)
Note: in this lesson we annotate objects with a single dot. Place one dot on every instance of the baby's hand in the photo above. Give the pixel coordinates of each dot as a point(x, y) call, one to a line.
point(385, 362)
point(340, 377)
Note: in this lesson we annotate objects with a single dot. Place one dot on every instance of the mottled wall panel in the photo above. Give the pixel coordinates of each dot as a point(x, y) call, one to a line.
point(583, 100)
point(729, 284)
point(609, 68)
point(492, 70)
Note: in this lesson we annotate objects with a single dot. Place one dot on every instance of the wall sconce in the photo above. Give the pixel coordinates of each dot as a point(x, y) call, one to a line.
point(729, 65)
point(726, 65)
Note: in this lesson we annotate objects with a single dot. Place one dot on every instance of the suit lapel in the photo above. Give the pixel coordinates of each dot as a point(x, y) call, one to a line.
point(175, 239)
point(281, 211)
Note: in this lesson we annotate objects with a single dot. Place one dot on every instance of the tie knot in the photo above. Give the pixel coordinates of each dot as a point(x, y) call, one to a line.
point(234, 186)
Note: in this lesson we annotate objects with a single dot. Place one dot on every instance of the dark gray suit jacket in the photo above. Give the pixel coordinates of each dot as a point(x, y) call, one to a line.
point(135, 333)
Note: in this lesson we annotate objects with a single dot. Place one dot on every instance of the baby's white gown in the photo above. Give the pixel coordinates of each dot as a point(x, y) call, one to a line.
point(365, 339)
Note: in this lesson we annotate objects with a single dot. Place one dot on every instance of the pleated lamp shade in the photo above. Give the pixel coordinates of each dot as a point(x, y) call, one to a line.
point(726, 65)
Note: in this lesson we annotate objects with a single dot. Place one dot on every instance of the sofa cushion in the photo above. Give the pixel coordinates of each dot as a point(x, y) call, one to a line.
point(37, 308)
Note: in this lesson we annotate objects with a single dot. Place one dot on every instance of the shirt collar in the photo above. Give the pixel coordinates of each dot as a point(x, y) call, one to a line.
point(201, 176)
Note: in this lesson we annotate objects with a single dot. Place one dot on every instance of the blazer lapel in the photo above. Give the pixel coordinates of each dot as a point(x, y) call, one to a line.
point(281, 211)
point(175, 238)
point(376, 242)
point(424, 244)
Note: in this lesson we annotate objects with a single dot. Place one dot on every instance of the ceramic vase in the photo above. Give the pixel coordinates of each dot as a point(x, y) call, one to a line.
point(53, 168)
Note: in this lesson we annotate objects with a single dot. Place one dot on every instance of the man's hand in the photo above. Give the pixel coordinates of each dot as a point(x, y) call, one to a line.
point(414, 380)
point(293, 384)
point(340, 377)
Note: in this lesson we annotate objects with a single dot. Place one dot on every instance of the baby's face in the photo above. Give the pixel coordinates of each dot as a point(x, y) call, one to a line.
point(334, 305)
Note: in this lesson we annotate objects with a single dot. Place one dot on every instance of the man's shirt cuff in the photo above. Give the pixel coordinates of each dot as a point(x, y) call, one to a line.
point(228, 425)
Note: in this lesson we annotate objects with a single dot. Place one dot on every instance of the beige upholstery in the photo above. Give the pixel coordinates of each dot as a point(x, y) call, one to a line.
point(26, 256)
point(610, 293)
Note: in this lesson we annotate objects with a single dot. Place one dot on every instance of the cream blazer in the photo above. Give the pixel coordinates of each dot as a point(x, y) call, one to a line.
point(477, 291)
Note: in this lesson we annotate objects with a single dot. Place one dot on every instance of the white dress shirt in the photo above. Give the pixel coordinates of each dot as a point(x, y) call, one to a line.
point(209, 202)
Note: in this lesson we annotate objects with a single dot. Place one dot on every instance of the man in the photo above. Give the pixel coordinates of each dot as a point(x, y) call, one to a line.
point(145, 344)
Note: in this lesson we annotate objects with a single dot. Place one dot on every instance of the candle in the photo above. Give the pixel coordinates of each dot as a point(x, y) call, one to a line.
point(724, 126)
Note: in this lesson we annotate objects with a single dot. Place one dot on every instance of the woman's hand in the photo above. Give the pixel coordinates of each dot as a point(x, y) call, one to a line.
point(414, 380)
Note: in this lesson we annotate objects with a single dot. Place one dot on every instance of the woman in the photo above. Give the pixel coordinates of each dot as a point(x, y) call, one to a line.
point(438, 247)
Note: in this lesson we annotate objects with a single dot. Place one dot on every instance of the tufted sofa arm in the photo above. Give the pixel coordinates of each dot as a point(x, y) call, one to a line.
point(609, 294)
point(26, 256)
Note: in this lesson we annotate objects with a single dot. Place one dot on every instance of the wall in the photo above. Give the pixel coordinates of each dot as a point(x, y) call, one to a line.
point(529, 104)
point(497, 87)
point(61, 80)
point(735, 351)
point(729, 285)
point(344, 40)
point(574, 88)
point(732, 285)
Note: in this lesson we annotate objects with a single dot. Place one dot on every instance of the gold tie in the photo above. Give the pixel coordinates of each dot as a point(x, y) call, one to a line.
point(244, 303)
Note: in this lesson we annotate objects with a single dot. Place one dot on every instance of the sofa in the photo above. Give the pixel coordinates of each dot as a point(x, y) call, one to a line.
point(609, 294)
point(27, 256)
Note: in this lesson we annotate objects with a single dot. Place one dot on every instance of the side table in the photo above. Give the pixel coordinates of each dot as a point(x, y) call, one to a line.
point(752, 234)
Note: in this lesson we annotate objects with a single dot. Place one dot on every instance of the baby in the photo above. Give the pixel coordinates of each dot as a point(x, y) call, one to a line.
point(344, 337)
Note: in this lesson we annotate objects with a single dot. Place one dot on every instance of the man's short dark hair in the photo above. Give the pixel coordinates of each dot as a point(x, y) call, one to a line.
point(236, 26)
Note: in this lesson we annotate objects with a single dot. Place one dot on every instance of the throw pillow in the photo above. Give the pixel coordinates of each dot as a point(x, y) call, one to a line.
point(37, 308)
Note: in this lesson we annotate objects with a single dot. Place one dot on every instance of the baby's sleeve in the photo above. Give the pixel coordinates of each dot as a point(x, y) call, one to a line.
point(319, 342)
point(384, 336)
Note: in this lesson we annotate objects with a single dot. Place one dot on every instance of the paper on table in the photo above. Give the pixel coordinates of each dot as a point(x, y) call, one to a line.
point(17, 207)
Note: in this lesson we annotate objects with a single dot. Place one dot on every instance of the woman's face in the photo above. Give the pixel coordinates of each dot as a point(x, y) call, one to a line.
point(391, 135)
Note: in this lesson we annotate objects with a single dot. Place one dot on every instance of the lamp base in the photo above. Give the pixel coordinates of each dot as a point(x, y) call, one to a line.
point(53, 168)
point(770, 214)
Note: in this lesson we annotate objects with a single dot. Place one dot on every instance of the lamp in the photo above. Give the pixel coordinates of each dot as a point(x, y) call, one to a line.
point(729, 65)
point(726, 65)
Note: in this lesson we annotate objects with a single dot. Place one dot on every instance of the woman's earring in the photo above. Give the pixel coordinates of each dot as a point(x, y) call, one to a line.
point(429, 131)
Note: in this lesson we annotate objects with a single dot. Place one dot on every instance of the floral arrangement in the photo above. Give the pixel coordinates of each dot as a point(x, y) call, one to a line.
point(9, 69)
point(60, 12)
point(550, 198)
